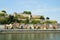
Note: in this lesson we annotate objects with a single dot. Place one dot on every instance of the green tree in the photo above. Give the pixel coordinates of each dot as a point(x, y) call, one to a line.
point(11, 18)
point(4, 11)
point(42, 18)
point(47, 18)
point(26, 12)
point(4, 20)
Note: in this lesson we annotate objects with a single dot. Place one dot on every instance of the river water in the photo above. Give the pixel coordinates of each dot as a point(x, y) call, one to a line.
point(31, 36)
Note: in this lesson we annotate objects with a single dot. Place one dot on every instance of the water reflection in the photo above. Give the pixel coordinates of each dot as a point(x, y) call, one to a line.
point(32, 36)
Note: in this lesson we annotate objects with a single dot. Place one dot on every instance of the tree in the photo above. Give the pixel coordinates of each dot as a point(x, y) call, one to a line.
point(42, 17)
point(26, 12)
point(47, 18)
point(11, 18)
point(4, 20)
point(4, 11)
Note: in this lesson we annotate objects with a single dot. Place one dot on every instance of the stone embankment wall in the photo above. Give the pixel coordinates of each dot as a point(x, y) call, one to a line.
point(28, 31)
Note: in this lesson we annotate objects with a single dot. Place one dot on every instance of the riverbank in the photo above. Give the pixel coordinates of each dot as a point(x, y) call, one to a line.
point(28, 30)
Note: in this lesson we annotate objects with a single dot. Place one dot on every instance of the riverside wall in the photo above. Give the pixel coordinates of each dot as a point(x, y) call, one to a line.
point(29, 30)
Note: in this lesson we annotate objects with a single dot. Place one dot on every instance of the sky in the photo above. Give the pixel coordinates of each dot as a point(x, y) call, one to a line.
point(47, 8)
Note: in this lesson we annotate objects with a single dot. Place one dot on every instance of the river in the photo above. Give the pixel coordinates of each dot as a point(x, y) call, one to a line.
point(30, 36)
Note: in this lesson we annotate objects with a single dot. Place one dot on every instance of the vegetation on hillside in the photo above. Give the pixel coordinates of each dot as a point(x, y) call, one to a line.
point(8, 18)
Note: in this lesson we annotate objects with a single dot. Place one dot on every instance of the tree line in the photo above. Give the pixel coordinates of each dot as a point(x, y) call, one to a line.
point(7, 19)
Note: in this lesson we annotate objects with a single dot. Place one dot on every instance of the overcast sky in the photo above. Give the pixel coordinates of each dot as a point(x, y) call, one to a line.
point(48, 8)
